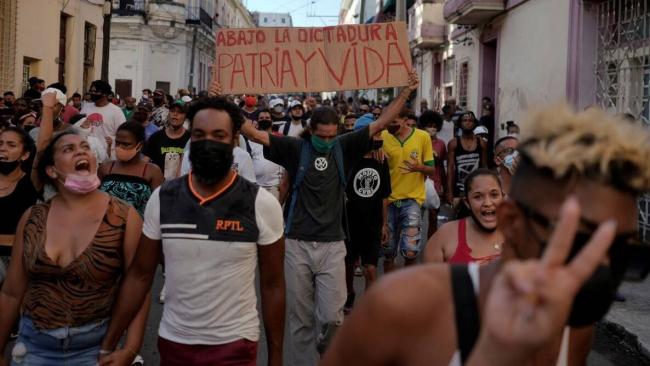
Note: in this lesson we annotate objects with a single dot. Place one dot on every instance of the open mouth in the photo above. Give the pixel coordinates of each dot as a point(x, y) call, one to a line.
point(3, 157)
point(82, 167)
point(489, 215)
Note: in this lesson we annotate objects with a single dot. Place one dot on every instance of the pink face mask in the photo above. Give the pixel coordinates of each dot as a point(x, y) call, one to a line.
point(81, 184)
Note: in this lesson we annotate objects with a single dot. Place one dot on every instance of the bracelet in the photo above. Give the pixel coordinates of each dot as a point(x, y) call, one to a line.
point(104, 352)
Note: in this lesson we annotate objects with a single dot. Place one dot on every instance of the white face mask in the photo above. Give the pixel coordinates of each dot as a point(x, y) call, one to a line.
point(278, 108)
point(509, 161)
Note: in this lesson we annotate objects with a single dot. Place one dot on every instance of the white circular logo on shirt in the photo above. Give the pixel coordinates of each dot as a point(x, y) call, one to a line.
point(320, 164)
point(366, 182)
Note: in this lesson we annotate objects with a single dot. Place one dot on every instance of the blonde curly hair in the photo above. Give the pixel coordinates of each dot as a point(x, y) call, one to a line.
point(591, 144)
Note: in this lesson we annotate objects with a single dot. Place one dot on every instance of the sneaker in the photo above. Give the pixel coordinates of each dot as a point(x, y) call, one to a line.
point(163, 293)
point(358, 271)
point(138, 361)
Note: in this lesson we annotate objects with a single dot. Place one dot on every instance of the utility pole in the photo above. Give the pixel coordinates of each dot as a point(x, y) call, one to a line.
point(191, 82)
point(106, 41)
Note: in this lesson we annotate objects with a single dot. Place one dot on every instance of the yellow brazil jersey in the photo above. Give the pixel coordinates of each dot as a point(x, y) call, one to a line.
point(417, 149)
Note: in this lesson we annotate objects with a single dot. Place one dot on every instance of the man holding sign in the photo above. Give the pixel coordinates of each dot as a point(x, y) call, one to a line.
point(318, 164)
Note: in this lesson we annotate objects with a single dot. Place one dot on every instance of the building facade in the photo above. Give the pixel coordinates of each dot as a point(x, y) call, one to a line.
point(168, 45)
point(55, 40)
point(524, 53)
point(263, 19)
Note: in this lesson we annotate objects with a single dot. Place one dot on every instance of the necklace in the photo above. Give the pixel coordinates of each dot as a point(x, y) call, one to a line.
point(497, 246)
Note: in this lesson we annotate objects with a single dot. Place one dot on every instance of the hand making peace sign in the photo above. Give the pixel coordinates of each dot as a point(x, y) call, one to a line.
point(530, 301)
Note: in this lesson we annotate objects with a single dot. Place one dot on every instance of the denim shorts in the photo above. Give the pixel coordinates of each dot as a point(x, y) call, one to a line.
point(65, 346)
point(403, 214)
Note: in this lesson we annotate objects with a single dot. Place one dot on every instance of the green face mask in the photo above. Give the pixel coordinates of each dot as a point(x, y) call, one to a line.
point(321, 145)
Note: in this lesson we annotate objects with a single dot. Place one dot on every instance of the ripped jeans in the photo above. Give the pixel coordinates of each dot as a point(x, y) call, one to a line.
point(404, 219)
point(78, 346)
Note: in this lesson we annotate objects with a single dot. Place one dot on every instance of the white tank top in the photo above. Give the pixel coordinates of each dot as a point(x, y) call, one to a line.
point(563, 357)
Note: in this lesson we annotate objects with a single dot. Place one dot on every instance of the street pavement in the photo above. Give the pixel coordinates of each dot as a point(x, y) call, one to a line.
point(151, 356)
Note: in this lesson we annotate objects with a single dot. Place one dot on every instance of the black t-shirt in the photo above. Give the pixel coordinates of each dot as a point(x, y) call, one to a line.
point(160, 145)
point(251, 115)
point(368, 185)
point(13, 206)
point(318, 214)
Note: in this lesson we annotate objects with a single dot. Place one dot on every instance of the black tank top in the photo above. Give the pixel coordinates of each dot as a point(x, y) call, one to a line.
point(466, 162)
point(14, 205)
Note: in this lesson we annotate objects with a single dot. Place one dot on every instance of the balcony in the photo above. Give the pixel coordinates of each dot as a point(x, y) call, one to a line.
point(471, 12)
point(197, 15)
point(129, 8)
point(426, 25)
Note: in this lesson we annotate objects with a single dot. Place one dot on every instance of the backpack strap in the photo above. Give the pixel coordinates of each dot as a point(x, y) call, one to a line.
point(466, 310)
point(337, 150)
point(249, 149)
point(286, 127)
point(303, 165)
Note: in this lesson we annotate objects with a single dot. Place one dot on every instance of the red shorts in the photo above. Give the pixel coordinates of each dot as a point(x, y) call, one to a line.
point(239, 353)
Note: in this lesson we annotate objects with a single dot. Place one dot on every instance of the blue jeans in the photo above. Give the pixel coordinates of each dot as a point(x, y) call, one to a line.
point(78, 346)
point(402, 216)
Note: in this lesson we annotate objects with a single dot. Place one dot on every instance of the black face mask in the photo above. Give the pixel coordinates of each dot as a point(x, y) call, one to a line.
point(28, 128)
point(392, 129)
point(211, 160)
point(96, 97)
point(597, 294)
point(377, 144)
point(264, 124)
point(6, 167)
point(599, 291)
point(9, 104)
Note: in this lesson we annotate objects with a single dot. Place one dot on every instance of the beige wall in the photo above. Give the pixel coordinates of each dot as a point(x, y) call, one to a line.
point(37, 37)
point(533, 54)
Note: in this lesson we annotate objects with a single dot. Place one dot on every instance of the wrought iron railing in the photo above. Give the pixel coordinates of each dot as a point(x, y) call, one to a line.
point(130, 8)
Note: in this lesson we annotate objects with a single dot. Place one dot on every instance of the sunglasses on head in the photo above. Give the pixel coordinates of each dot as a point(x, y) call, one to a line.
point(627, 249)
point(630, 238)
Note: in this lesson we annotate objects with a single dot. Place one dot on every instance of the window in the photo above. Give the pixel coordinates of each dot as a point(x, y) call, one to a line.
point(462, 84)
point(26, 74)
point(123, 88)
point(283, 21)
point(164, 85)
point(448, 66)
point(266, 20)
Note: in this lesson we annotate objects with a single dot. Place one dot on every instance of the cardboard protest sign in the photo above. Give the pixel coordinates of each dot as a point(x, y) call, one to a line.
point(279, 60)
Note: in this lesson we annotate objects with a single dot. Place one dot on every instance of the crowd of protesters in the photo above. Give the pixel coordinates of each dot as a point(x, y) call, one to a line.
point(96, 191)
